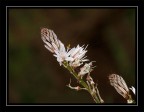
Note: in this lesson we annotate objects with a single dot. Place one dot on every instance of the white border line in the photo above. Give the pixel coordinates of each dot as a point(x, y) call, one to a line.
point(6, 56)
point(74, 7)
point(137, 54)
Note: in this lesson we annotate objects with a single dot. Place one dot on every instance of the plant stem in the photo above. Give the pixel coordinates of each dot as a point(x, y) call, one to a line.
point(81, 81)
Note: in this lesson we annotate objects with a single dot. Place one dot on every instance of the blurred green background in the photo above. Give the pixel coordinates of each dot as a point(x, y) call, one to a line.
point(34, 74)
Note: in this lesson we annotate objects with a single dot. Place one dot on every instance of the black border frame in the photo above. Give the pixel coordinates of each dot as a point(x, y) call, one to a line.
point(3, 102)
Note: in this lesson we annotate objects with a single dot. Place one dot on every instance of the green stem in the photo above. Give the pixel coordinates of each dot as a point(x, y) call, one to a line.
point(76, 76)
point(81, 81)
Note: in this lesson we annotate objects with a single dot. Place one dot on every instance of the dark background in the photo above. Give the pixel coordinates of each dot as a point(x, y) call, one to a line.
point(34, 74)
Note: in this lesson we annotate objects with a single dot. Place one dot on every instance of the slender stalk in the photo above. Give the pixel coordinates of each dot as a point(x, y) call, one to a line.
point(81, 81)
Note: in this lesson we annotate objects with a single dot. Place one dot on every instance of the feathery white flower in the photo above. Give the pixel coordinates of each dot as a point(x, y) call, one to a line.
point(77, 53)
point(62, 54)
point(54, 45)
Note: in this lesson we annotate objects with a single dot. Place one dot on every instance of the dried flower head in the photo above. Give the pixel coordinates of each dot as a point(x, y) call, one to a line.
point(52, 43)
point(120, 85)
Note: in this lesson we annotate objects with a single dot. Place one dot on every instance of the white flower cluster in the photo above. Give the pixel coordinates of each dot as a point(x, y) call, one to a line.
point(74, 56)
